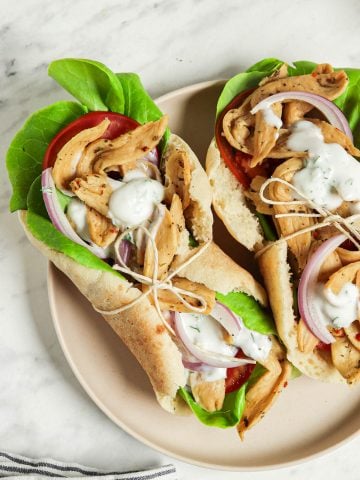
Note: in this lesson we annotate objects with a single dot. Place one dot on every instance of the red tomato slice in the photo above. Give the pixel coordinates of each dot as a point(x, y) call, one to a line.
point(348, 245)
point(237, 376)
point(324, 346)
point(233, 158)
point(119, 124)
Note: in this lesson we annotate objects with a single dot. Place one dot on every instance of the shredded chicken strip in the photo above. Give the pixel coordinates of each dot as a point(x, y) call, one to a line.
point(346, 358)
point(330, 133)
point(299, 245)
point(353, 333)
point(261, 395)
point(328, 85)
point(306, 340)
point(104, 154)
point(66, 163)
point(238, 130)
point(166, 240)
point(238, 123)
point(94, 191)
point(102, 231)
point(296, 110)
point(178, 177)
point(132, 145)
point(210, 395)
point(265, 135)
point(345, 353)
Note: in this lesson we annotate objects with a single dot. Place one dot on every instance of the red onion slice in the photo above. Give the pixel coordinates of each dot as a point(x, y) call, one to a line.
point(58, 217)
point(226, 318)
point(125, 249)
point(213, 359)
point(331, 112)
point(307, 286)
point(195, 366)
point(152, 157)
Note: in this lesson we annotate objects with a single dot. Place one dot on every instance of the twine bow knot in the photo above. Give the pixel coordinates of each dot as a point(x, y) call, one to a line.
point(154, 283)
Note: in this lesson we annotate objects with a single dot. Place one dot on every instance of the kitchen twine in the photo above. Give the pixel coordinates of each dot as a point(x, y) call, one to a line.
point(154, 283)
point(344, 225)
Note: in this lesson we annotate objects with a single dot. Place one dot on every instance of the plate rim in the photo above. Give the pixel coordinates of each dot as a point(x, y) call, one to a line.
point(51, 272)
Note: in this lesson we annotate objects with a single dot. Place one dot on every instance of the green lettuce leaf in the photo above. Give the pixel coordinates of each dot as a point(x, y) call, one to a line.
point(192, 242)
point(35, 202)
point(233, 407)
point(228, 416)
point(234, 86)
point(256, 374)
point(301, 67)
point(90, 82)
point(97, 87)
point(267, 227)
point(138, 104)
point(349, 103)
point(248, 79)
point(295, 372)
point(64, 200)
point(45, 231)
point(266, 65)
point(253, 315)
point(26, 152)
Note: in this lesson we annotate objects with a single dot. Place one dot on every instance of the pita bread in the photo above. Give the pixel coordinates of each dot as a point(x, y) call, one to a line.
point(230, 203)
point(198, 214)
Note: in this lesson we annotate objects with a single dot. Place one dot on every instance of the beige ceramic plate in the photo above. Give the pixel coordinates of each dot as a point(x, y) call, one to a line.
point(309, 419)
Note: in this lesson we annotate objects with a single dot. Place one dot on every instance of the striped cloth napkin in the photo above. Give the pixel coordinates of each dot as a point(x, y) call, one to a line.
point(17, 466)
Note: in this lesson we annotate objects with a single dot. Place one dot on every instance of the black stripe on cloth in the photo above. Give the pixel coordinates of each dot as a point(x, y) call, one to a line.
point(153, 475)
point(63, 468)
point(146, 476)
point(26, 471)
point(49, 474)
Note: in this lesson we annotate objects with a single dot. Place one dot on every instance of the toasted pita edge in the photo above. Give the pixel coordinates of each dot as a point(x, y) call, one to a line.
point(199, 191)
point(230, 203)
point(277, 277)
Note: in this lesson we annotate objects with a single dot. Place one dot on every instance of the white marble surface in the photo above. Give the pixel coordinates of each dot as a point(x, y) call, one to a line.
point(43, 410)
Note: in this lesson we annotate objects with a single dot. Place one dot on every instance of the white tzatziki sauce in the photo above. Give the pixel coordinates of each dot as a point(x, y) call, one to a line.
point(337, 310)
point(115, 184)
point(76, 212)
point(330, 175)
point(207, 333)
point(254, 344)
point(133, 201)
point(270, 117)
